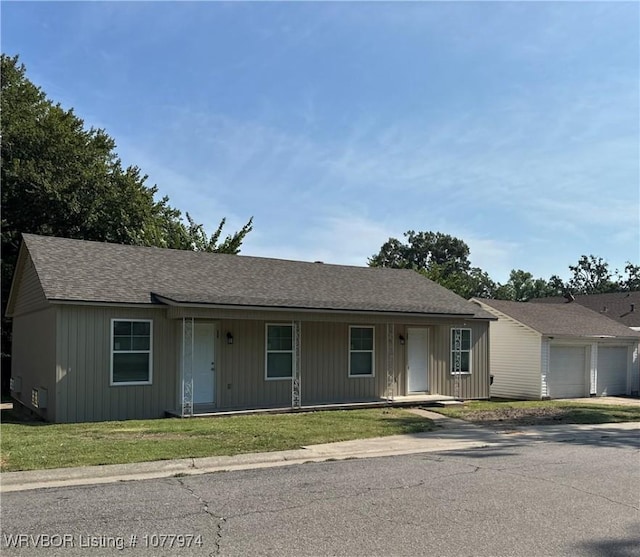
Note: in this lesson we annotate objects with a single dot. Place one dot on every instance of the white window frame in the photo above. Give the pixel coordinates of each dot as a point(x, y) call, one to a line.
point(267, 352)
point(112, 351)
point(372, 351)
point(452, 351)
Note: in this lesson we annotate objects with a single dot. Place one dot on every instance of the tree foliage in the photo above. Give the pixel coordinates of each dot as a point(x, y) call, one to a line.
point(445, 260)
point(423, 250)
point(591, 275)
point(522, 287)
point(61, 178)
point(440, 257)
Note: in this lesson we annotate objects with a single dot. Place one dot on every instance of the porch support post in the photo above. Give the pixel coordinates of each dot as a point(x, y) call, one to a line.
point(457, 362)
point(390, 360)
point(187, 366)
point(296, 375)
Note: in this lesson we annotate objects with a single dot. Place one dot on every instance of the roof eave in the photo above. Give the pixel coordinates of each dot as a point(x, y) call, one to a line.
point(565, 336)
point(305, 309)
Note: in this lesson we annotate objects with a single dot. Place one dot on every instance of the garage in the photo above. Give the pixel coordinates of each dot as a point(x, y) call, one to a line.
point(560, 351)
point(568, 374)
point(612, 371)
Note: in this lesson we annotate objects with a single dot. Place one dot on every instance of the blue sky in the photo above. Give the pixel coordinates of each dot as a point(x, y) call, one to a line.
point(512, 125)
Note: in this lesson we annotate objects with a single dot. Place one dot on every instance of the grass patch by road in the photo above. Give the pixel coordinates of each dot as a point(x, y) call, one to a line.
point(541, 412)
point(36, 445)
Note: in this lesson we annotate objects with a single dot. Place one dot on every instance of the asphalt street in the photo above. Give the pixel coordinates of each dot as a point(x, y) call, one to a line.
point(531, 497)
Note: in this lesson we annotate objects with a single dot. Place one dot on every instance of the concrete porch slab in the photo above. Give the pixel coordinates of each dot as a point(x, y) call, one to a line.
point(396, 402)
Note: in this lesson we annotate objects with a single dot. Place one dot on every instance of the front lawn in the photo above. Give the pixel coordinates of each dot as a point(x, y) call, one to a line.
point(36, 445)
point(541, 412)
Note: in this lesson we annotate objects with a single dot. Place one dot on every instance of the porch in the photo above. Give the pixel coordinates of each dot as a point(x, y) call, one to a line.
point(208, 410)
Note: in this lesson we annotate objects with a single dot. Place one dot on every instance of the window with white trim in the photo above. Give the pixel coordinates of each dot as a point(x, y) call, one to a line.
point(131, 345)
point(460, 351)
point(361, 351)
point(279, 359)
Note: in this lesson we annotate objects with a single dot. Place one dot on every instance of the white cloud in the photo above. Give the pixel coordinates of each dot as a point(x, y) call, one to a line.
point(342, 238)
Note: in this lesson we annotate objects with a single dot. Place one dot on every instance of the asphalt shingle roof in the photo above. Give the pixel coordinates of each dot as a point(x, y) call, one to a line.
point(78, 270)
point(624, 307)
point(562, 319)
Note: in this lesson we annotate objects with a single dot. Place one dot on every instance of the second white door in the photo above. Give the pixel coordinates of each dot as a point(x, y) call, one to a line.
point(204, 362)
point(417, 360)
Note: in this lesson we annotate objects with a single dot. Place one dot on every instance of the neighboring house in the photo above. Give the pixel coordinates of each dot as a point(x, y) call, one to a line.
point(559, 351)
point(623, 307)
point(109, 332)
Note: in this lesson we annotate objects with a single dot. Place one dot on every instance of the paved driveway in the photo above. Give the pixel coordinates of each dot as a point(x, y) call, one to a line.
point(615, 400)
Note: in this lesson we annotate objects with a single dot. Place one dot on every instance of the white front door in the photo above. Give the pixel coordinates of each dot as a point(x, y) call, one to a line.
point(204, 362)
point(417, 360)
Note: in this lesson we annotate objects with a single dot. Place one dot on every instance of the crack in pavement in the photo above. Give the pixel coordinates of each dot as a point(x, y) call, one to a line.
point(554, 482)
point(310, 502)
point(512, 472)
point(219, 521)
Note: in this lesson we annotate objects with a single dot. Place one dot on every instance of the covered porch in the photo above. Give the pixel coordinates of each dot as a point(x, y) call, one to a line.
point(224, 356)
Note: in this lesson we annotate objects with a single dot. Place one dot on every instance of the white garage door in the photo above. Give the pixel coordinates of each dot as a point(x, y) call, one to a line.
point(568, 372)
point(612, 370)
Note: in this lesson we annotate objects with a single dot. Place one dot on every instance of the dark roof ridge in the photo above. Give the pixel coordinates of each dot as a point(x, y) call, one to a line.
point(26, 236)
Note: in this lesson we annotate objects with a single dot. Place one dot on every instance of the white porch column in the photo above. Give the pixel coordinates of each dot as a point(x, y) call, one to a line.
point(187, 366)
point(296, 387)
point(390, 360)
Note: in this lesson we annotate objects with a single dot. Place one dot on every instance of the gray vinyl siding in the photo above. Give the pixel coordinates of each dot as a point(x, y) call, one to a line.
point(34, 356)
point(29, 296)
point(83, 347)
point(474, 385)
point(325, 365)
point(78, 357)
point(240, 377)
point(516, 360)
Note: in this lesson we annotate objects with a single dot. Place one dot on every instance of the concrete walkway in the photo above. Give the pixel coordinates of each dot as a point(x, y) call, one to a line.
point(450, 434)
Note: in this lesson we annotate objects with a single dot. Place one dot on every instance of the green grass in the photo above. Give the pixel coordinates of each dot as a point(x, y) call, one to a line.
point(542, 412)
point(35, 445)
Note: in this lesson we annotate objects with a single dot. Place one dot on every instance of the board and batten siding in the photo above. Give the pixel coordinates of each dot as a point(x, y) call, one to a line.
point(324, 361)
point(515, 355)
point(83, 349)
point(33, 357)
point(82, 362)
point(474, 385)
point(325, 358)
point(240, 367)
point(29, 296)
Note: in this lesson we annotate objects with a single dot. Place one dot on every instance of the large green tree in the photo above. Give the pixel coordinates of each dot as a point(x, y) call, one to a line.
point(60, 177)
point(440, 257)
